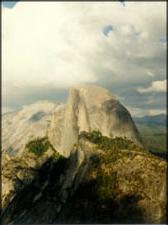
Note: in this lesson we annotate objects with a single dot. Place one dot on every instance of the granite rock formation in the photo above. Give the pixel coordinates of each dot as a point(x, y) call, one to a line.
point(76, 176)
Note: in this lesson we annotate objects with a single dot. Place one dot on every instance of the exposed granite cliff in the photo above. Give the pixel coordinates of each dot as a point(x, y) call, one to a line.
point(93, 108)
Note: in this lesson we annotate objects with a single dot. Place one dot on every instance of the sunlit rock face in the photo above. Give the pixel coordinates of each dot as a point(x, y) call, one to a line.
point(88, 108)
point(30, 122)
point(94, 108)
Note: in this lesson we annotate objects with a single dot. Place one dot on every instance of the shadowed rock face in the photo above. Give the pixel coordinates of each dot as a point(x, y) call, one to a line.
point(37, 116)
point(53, 194)
point(117, 187)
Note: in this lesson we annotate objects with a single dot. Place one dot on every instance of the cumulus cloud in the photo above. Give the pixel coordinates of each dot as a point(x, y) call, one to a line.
point(156, 86)
point(58, 44)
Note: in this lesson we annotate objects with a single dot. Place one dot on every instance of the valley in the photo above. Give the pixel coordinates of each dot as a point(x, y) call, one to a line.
point(154, 133)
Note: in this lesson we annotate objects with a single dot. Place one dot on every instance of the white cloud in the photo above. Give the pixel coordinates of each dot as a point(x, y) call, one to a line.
point(153, 112)
point(156, 86)
point(61, 43)
point(150, 73)
point(139, 112)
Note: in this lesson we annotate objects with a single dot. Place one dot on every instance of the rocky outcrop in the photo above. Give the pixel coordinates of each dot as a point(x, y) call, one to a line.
point(119, 186)
point(19, 171)
point(20, 127)
point(96, 186)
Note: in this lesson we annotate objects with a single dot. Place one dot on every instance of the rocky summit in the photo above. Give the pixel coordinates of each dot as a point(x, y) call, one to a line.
point(79, 162)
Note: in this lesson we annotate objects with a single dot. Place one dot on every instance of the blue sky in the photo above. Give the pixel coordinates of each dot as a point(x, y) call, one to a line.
point(107, 29)
point(163, 39)
point(51, 46)
point(9, 4)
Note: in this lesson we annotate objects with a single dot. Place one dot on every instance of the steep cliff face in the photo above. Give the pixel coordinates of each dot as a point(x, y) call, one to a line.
point(94, 108)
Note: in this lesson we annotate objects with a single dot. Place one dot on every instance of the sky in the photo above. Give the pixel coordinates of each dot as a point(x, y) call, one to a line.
point(48, 47)
point(9, 4)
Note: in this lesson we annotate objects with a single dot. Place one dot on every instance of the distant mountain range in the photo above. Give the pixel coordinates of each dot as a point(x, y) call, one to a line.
point(151, 120)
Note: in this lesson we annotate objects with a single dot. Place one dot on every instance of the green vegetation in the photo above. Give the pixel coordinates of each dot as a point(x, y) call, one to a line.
point(107, 188)
point(56, 156)
point(154, 137)
point(38, 146)
point(107, 143)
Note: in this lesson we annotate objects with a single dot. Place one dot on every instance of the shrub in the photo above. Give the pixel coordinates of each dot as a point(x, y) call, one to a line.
point(107, 143)
point(107, 188)
point(38, 146)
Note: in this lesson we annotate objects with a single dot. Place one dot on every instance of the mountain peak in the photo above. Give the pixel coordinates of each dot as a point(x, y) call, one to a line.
point(94, 108)
point(94, 94)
